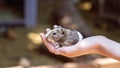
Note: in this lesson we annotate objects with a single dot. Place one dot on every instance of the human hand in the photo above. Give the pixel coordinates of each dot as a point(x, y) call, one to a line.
point(88, 45)
point(91, 45)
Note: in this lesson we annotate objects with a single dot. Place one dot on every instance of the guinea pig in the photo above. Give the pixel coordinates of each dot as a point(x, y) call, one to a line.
point(60, 36)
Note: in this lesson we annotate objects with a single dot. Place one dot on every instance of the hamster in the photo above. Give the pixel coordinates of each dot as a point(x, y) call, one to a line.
point(60, 36)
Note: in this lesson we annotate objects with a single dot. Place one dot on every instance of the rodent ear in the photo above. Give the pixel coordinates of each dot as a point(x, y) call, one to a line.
point(55, 26)
point(59, 26)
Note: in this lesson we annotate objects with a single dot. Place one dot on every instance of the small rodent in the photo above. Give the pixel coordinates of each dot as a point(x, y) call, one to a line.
point(60, 36)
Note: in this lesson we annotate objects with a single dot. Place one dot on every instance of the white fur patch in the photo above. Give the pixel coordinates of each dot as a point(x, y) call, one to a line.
point(80, 36)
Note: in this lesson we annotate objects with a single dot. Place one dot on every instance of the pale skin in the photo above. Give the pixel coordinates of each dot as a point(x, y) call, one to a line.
point(91, 45)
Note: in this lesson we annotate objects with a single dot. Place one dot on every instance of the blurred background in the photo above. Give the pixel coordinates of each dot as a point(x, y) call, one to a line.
point(21, 21)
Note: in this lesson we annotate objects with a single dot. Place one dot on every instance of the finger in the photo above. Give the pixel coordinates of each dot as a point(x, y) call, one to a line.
point(61, 51)
point(68, 50)
point(65, 53)
point(42, 35)
point(50, 46)
point(47, 44)
point(48, 29)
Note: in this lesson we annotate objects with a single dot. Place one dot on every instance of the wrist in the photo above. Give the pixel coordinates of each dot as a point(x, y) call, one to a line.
point(99, 47)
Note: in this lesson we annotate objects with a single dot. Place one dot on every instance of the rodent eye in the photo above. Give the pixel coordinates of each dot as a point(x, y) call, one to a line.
point(54, 33)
